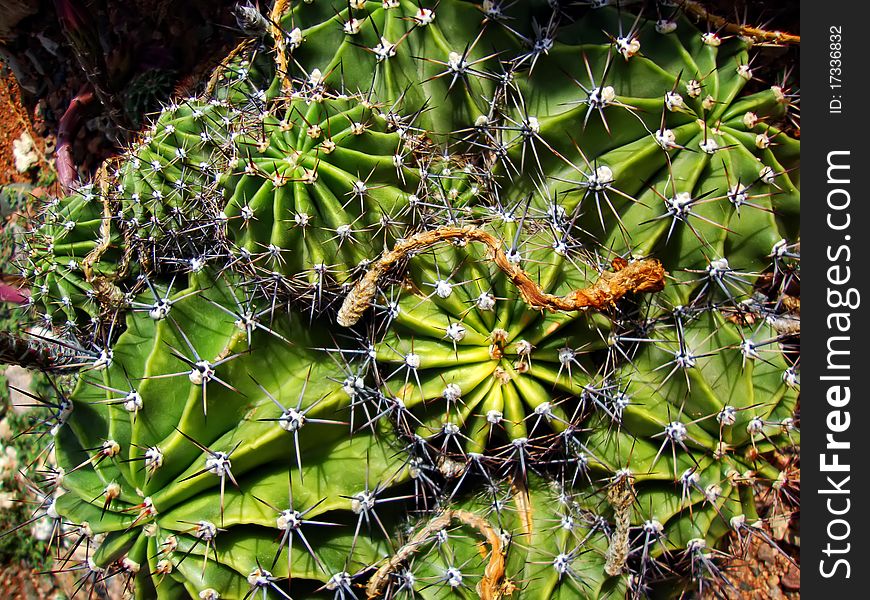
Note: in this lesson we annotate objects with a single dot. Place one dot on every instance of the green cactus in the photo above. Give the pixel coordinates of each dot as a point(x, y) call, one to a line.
point(483, 300)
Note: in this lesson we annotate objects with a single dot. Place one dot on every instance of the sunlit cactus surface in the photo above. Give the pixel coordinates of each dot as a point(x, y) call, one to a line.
point(429, 300)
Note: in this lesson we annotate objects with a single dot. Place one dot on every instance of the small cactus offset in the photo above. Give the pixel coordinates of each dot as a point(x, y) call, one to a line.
point(429, 300)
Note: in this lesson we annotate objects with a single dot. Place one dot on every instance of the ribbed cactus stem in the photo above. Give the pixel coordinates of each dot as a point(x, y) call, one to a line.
point(475, 192)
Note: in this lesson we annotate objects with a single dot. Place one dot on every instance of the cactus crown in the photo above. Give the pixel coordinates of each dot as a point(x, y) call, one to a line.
point(422, 300)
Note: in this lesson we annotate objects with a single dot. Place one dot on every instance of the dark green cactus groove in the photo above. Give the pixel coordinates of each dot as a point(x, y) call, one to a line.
point(430, 300)
point(465, 351)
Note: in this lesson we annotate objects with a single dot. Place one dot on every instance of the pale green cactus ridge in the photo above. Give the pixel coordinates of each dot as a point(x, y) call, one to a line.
point(644, 82)
point(724, 381)
point(260, 448)
point(720, 371)
point(54, 253)
point(171, 169)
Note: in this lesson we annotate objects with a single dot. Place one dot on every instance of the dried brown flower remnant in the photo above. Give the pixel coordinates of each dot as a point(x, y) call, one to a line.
point(620, 496)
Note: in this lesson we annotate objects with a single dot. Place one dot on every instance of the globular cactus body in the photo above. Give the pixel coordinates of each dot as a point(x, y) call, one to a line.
point(424, 301)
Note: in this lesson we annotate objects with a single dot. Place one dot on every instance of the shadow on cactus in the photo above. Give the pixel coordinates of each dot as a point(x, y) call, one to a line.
point(461, 300)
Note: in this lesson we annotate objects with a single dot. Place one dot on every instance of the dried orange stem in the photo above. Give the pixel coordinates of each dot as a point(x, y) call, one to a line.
point(756, 33)
point(640, 276)
point(281, 63)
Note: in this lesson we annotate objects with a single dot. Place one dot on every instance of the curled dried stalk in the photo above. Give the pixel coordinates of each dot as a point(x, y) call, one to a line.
point(523, 505)
point(491, 584)
point(620, 496)
point(641, 276)
point(103, 242)
point(756, 33)
point(107, 293)
point(281, 62)
point(219, 71)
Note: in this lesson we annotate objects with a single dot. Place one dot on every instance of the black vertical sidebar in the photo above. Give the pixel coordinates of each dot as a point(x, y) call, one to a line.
point(835, 268)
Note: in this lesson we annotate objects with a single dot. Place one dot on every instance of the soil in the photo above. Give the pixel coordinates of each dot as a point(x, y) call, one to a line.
point(16, 119)
point(149, 51)
point(765, 575)
point(10, 129)
point(761, 570)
